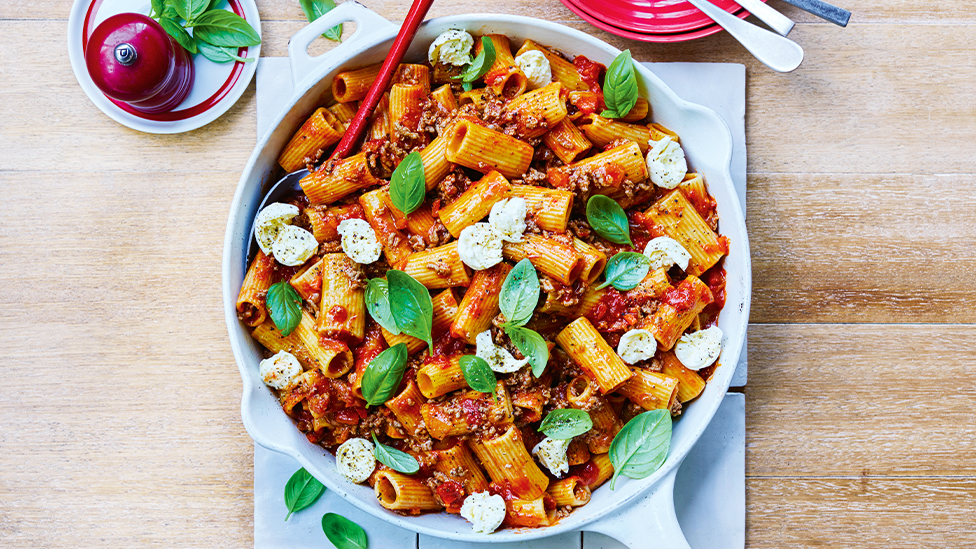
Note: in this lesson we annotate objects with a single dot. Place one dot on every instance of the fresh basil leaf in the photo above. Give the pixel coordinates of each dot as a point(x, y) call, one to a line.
point(223, 28)
point(301, 491)
point(317, 8)
point(625, 271)
point(213, 4)
point(344, 533)
point(221, 54)
point(641, 447)
point(566, 423)
point(378, 304)
point(407, 187)
point(394, 459)
point(411, 305)
point(620, 87)
point(157, 7)
point(284, 306)
point(532, 347)
point(608, 219)
point(169, 12)
point(519, 294)
point(478, 374)
point(384, 374)
point(179, 34)
point(482, 62)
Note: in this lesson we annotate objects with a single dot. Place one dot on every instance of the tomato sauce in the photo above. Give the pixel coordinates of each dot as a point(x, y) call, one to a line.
point(588, 472)
point(589, 72)
point(452, 494)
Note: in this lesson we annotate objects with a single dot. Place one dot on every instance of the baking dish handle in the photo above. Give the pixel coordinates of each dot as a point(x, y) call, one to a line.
point(367, 22)
point(648, 522)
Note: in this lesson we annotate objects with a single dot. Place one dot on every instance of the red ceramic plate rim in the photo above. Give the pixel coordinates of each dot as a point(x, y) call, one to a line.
point(647, 36)
point(654, 16)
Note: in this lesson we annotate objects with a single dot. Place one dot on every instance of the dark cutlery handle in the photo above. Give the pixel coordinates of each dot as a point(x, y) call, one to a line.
point(837, 16)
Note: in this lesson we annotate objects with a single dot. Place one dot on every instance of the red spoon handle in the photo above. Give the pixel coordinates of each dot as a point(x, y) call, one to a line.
point(355, 130)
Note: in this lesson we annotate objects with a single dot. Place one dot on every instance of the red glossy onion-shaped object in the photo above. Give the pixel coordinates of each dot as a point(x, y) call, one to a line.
point(132, 59)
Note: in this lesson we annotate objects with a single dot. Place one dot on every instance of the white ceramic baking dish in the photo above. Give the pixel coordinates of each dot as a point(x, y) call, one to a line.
point(639, 513)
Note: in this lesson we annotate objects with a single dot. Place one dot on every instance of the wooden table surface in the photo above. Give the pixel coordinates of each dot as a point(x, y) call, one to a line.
point(120, 401)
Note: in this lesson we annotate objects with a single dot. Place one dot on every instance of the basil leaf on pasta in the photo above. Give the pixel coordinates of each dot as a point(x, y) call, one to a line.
point(625, 270)
point(532, 347)
point(641, 447)
point(317, 8)
point(566, 423)
point(620, 87)
point(401, 462)
point(179, 34)
point(478, 374)
point(284, 306)
point(482, 62)
point(378, 304)
point(344, 533)
point(223, 28)
point(608, 219)
point(519, 294)
point(407, 186)
point(383, 375)
point(411, 305)
point(301, 491)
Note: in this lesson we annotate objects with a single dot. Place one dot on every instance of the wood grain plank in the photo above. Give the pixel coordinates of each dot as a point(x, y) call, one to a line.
point(861, 512)
point(892, 400)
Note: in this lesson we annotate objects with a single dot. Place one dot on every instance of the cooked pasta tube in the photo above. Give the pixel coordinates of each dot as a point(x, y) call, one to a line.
point(531, 401)
point(566, 141)
point(445, 96)
point(652, 286)
point(507, 460)
point(563, 71)
point(406, 407)
point(551, 207)
point(531, 513)
point(504, 77)
point(379, 124)
point(577, 453)
point(439, 267)
point(445, 309)
point(690, 384)
point(331, 358)
point(251, 308)
point(474, 203)
point(440, 375)
point(354, 85)
point(434, 159)
point(606, 423)
point(668, 322)
point(650, 390)
point(603, 469)
point(348, 176)
point(405, 109)
point(603, 131)
point(480, 303)
point(413, 75)
point(607, 169)
point(466, 412)
point(679, 219)
point(321, 130)
point(344, 112)
point(593, 260)
point(639, 112)
point(570, 491)
point(584, 344)
point(402, 493)
point(538, 111)
point(324, 221)
point(396, 247)
point(372, 345)
point(479, 148)
point(476, 97)
point(459, 464)
point(342, 313)
point(659, 132)
point(582, 103)
point(693, 187)
point(308, 283)
point(551, 257)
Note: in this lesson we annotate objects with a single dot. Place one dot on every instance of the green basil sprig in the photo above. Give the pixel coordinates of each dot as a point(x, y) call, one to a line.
point(566, 423)
point(189, 9)
point(284, 306)
point(301, 491)
point(641, 447)
point(344, 533)
point(519, 294)
point(407, 186)
point(481, 64)
point(176, 30)
point(608, 219)
point(224, 28)
point(317, 8)
point(478, 374)
point(411, 305)
point(217, 34)
point(532, 347)
point(625, 271)
point(394, 459)
point(220, 54)
point(378, 304)
point(383, 374)
point(620, 87)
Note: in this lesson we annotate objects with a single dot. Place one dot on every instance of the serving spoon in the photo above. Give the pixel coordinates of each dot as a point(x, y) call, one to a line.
point(776, 52)
point(290, 183)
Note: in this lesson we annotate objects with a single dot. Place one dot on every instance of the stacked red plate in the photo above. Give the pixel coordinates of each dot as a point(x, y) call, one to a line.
point(652, 20)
